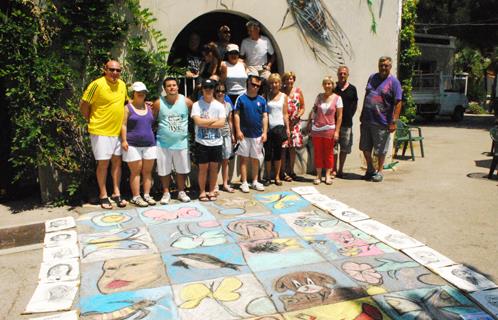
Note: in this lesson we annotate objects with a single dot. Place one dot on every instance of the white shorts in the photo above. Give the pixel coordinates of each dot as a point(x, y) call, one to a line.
point(139, 153)
point(168, 159)
point(104, 147)
point(251, 148)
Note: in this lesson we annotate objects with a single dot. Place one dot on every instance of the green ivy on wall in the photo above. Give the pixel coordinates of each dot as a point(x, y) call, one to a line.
point(51, 50)
point(408, 52)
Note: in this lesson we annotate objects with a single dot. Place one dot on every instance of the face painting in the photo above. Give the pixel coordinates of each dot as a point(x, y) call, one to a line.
point(129, 273)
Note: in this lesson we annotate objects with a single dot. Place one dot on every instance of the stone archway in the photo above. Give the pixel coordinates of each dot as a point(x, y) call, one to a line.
point(206, 25)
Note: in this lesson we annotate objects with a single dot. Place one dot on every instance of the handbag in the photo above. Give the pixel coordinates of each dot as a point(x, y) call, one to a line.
point(279, 131)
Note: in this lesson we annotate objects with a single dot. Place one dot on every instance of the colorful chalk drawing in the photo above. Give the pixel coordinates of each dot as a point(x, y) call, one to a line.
point(388, 273)
point(223, 298)
point(156, 303)
point(314, 223)
point(258, 228)
point(204, 263)
point(108, 221)
point(190, 235)
point(282, 202)
point(306, 286)
point(430, 303)
point(138, 242)
point(123, 274)
point(358, 309)
point(175, 213)
point(348, 243)
point(278, 253)
point(233, 206)
point(488, 299)
point(271, 258)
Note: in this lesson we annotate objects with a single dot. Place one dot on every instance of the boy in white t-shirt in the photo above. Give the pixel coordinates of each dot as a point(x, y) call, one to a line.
point(209, 118)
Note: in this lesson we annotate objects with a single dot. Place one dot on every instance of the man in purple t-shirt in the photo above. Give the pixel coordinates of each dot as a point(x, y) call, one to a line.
point(381, 109)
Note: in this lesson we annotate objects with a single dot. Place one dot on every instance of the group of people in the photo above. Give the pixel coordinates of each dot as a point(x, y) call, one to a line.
point(231, 117)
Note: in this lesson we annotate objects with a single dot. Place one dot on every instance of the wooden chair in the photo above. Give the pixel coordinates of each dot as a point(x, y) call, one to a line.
point(405, 136)
point(494, 150)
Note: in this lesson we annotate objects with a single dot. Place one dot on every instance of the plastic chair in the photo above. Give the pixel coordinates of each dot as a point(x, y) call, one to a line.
point(404, 136)
point(494, 150)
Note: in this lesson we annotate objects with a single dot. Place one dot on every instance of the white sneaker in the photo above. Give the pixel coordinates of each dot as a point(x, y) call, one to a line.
point(258, 186)
point(165, 199)
point(244, 187)
point(182, 196)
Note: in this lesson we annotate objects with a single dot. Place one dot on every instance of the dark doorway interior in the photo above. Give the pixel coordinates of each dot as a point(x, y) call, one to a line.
point(207, 26)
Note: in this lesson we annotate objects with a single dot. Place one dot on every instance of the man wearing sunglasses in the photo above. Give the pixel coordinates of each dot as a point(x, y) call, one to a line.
point(251, 126)
point(102, 105)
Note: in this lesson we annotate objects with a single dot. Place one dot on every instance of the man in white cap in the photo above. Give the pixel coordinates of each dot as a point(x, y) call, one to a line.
point(102, 105)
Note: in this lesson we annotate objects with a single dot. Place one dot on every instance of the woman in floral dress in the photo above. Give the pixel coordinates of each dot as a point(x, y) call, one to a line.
point(295, 111)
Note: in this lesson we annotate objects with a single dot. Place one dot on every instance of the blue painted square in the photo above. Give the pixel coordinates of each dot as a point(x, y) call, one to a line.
point(156, 303)
point(282, 202)
point(204, 263)
point(189, 235)
point(430, 303)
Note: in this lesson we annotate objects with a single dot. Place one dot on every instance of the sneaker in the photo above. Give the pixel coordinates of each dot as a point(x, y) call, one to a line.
point(368, 175)
point(166, 198)
point(377, 177)
point(182, 196)
point(244, 187)
point(258, 186)
point(149, 200)
point(139, 202)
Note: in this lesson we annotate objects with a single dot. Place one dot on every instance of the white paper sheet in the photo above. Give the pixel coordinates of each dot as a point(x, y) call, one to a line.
point(61, 270)
point(52, 297)
point(464, 278)
point(60, 238)
point(59, 224)
point(429, 257)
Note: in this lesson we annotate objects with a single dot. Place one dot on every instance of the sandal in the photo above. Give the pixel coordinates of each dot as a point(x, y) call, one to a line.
point(212, 197)
point(119, 201)
point(278, 182)
point(228, 189)
point(287, 177)
point(203, 198)
point(328, 180)
point(316, 181)
point(266, 182)
point(105, 203)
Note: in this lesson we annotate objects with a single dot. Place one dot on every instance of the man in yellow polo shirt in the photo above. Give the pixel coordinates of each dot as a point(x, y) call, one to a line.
point(102, 105)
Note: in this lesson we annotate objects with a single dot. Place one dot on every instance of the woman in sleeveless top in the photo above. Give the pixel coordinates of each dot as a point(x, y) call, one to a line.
point(139, 144)
point(295, 111)
point(325, 129)
point(234, 73)
point(278, 128)
point(211, 66)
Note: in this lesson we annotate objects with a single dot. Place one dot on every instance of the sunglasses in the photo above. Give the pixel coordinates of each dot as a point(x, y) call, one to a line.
point(220, 91)
point(255, 85)
point(114, 70)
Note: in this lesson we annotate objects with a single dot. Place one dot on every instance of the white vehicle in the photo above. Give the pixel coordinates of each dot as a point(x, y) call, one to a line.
point(438, 94)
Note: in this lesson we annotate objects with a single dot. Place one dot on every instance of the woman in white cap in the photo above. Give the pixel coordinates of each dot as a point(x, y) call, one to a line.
point(139, 145)
point(234, 73)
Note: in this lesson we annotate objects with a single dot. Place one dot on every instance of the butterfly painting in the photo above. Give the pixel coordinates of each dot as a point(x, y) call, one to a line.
point(282, 202)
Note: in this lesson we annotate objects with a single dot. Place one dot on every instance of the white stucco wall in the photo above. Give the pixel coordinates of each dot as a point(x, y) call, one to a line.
point(352, 15)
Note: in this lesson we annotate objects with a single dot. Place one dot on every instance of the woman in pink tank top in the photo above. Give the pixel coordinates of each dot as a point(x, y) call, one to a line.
point(325, 129)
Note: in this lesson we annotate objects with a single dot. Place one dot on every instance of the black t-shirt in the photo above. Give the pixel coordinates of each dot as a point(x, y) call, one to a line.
point(350, 102)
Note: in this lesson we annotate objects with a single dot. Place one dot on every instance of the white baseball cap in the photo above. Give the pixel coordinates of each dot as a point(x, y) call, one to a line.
point(139, 86)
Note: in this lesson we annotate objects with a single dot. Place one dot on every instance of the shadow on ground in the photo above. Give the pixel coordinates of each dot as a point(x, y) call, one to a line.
point(470, 121)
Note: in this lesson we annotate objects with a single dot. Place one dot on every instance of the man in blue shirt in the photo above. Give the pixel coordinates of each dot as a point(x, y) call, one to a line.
point(251, 127)
point(381, 109)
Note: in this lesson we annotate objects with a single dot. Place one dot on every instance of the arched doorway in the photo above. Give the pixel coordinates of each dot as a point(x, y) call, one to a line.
point(207, 25)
